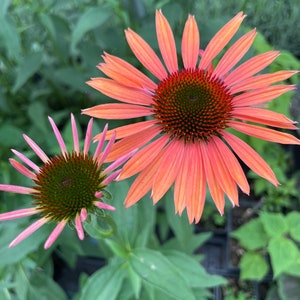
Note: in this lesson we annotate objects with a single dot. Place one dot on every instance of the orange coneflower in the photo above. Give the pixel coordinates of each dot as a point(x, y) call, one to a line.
point(185, 139)
point(66, 187)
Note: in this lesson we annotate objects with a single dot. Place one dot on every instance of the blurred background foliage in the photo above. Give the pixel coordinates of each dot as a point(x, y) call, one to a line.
point(50, 48)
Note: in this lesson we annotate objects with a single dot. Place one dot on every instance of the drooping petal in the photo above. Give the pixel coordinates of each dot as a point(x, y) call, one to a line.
point(124, 73)
point(78, 226)
point(28, 231)
point(190, 43)
point(22, 169)
point(166, 42)
point(222, 174)
point(263, 116)
point(234, 54)
point(168, 169)
point(58, 136)
point(38, 151)
point(75, 134)
point(259, 81)
point(16, 189)
point(114, 111)
point(220, 40)
point(145, 54)
point(55, 234)
point(26, 160)
point(20, 213)
point(250, 67)
point(121, 92)
point(216, 192)
point(195, 185)
point(233, 165)
point(130, 143)
point(264, 133)
point(142, 158)
point(250, 157)
point(127, 130)
point(261, 95)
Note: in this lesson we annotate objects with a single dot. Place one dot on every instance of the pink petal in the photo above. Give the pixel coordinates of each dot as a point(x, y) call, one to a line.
point(111, 177)
point(145, 54)
point(250, 157)
point(234, 54)
point(220, 40)
point(20, 213)
point(16, 189)
point(58, 136)
point(75, 134)
point(107, 150)
point(78, 226)
point(88, 137)
point(22, 169)
point(115, 111)
point(83, 214)
point(190, 43)
point(264, 133)
point(55, 234)
point(38, 151)
point(102, 205)
point(28, 231)
point(26, 160)
point(166, 42)
point(101, 142)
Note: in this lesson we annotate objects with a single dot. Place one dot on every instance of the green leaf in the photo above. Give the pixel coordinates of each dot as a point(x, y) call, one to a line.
point(253, 266)
point(30, 64)
point(91, 19)
point(255, 230)
point(10, 135)
point(289, 287)
point(47, 21)
point(274, 224)
point(154, 268)
point(194, 274)
point(43, 287)
point(104, 284)
point(283, 253)
point(37, 115)
point(293, 220)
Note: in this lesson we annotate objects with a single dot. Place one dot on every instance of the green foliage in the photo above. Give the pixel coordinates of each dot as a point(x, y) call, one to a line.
point(273, 235)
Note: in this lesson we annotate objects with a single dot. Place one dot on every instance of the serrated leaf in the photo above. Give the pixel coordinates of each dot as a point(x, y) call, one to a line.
point(30, 64)
point(283, 253)
point(253, 266)
point(92, 18)
point(293, 220)
point(154, 268)
point(255, 230)
point(104, 283)
point(274, 224)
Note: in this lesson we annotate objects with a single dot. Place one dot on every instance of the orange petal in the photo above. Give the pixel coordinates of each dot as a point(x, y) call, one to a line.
point(250, 67)
point(120, 92)
point(264, 133)
point(143, 158)
point(145, 54)
point(222, 174)
point(250, 157)
point(168, 169)
point(263, 116)
point(233, 165)
point(190, 43)
point(261, 80)
point(127, 130)
point(166, 42)
point(143, 183)
point(220, 40)
point(115, 111)
point(262, 95)
point(195, 185)
point(234, 54)
point(124, 73)
point(216, 192)
point(132, 142)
